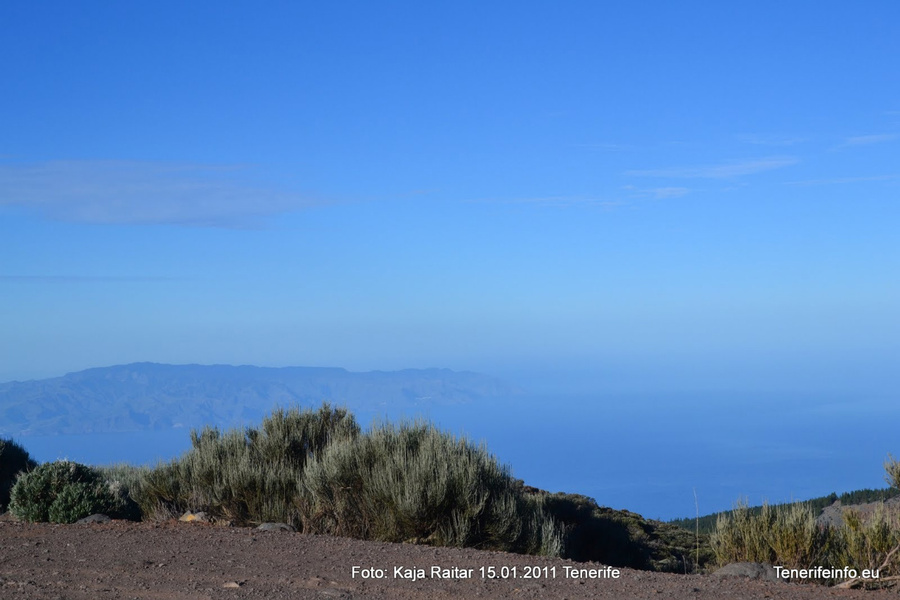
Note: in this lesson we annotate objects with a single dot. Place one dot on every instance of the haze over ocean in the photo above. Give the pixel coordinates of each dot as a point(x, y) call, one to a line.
point(620, 208)
point(641, 452)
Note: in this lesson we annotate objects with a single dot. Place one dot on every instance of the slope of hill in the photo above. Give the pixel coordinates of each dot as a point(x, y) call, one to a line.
point(707, 523)
point(150, 396)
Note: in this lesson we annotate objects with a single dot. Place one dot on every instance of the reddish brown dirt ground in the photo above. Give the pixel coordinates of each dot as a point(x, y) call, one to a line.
point(168, 561)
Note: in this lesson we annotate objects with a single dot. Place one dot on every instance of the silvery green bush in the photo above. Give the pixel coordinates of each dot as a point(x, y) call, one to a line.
point(61, 492)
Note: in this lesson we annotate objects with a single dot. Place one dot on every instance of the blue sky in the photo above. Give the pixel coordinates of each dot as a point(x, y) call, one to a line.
point(631, 196)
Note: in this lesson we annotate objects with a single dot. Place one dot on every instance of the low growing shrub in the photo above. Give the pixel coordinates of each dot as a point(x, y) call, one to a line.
point(788, 535)
point(869, 542)
point(413, 482)
point(123, 481)
point(14, 459)
point(62, 492)
point(244, 475)
point(785, 535)
point(743, 536)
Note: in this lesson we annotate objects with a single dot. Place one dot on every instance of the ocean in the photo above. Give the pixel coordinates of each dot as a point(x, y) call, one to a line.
point(654, 454)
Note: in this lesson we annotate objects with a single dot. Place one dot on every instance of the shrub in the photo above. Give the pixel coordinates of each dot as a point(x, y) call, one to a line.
point(414, 483)
point(61, 492)
point(13, 460)
point(867, 542)
point(797, 541)
point(785, 535)
point(77, 500)
point(158, 492)
point(292, 437)
point(244, 475)
point(743, 535)
point(788, 535)
point(124, 481)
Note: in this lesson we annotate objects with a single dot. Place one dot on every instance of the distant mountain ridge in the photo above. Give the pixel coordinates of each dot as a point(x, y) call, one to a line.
point(153, 396)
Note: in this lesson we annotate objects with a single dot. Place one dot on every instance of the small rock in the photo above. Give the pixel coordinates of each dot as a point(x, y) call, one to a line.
point(98, 518)
point(231, 584)
point(750, 570)
point(275, 527)
point(198, 517)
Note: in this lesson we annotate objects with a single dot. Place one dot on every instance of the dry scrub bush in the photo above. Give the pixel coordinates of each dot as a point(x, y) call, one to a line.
point(315, 470)
point(743, 536)
point(785, 535)
point(123, 481)
point(796, 539)
point(413, 482)
point(244, 476)
point(868, 542)
point(789, 536)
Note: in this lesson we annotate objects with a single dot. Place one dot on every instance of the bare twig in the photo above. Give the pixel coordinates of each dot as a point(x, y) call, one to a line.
point(857, 580)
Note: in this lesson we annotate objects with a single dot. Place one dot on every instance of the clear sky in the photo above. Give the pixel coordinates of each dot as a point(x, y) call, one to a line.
point(622, 196)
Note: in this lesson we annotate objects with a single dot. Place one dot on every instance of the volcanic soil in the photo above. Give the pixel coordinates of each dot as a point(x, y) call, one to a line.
point(168, 561)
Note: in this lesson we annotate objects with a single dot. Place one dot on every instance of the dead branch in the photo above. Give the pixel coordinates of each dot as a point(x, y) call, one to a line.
point(857, 580)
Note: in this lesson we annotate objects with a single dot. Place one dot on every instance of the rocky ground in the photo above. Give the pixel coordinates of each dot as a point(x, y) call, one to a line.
point(167, 561)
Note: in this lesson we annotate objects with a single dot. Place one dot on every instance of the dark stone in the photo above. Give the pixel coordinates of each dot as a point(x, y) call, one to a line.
point(750, 570)
point(93, 519)
point(275, 527)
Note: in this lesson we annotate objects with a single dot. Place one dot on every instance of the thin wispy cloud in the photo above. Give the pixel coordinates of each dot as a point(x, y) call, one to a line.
point(722, 171)
point(866, 140)
point(660, 193)
point(841, 180)
point(663, 193)
point(125, 192)
point(767, 139)
point(560, 201)
point(604, 146)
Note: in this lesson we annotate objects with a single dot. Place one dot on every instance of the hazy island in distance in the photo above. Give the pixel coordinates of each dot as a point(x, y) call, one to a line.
point(151, 396)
